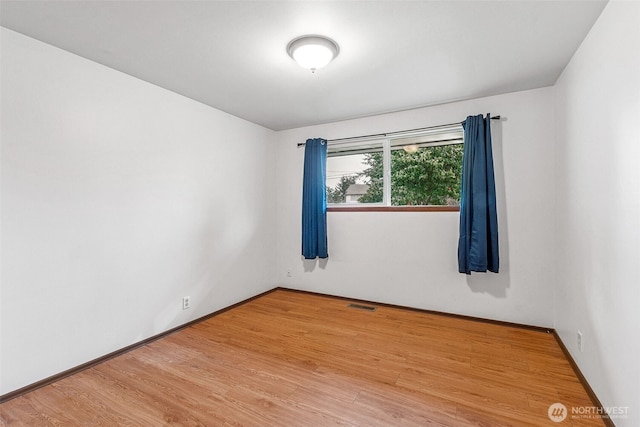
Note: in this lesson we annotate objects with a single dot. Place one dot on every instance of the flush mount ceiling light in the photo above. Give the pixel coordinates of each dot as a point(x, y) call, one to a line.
point(312, 52)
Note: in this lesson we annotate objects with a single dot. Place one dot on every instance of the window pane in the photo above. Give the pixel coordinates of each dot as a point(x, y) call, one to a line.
point(425, 169)
point(426, 175)
point(355, 178)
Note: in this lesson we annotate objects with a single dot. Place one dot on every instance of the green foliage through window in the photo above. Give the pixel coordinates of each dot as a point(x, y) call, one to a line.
point(430, 176)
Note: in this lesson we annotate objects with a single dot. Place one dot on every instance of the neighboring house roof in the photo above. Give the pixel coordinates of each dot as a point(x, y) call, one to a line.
point(357, 189)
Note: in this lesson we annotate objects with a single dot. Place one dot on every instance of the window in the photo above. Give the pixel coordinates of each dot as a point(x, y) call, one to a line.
point(404, 169)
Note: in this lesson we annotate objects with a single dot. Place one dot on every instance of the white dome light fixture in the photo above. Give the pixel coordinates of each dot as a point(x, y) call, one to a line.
point(312, 51)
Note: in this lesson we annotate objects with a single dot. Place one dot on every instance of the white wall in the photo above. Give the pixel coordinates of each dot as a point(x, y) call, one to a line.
point(410, 259)
point(598, 207)
point(119, 198)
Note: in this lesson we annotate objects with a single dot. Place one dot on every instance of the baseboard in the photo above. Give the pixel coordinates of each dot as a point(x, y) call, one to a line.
point(57, 377)
point(592, 395)
point(543, 329)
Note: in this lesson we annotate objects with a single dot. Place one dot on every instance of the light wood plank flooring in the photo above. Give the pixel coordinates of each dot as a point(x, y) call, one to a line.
point(295, 359)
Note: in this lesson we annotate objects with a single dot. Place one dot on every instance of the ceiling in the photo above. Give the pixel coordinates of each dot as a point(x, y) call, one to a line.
point(394, 55)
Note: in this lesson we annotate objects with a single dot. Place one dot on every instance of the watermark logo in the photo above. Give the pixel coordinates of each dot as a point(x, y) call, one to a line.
point(590, 412)
point(557, 412)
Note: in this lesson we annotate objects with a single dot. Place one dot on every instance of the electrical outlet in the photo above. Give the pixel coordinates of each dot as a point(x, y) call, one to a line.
point(186, 303)
point(289, 273)
point(579, 340)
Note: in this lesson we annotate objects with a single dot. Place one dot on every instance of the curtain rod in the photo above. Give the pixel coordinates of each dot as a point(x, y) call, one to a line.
point(380, 135)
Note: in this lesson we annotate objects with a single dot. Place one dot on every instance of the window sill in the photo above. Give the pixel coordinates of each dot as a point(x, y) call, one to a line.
point(394, 209)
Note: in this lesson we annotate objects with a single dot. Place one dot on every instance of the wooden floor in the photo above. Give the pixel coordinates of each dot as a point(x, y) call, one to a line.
point(294, 359)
